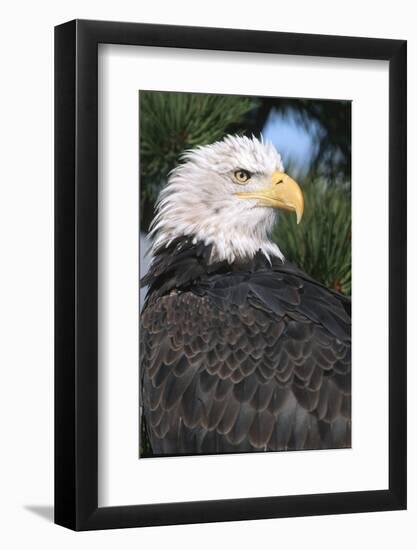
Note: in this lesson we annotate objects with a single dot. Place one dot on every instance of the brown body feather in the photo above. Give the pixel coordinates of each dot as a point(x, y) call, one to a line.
point(249, 357)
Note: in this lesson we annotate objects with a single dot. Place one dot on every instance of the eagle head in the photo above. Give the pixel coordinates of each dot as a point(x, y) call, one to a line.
point(227, 195)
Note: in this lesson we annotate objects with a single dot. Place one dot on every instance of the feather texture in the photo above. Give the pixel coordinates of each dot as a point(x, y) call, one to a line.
point(242, 357)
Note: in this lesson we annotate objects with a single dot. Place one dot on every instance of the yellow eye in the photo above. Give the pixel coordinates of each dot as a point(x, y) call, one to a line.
point(242, 176)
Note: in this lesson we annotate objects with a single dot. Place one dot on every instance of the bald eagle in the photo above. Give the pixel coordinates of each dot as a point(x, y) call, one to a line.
point(240, 350)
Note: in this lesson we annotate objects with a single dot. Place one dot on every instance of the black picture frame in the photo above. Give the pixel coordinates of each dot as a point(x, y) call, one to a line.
point(76, 271)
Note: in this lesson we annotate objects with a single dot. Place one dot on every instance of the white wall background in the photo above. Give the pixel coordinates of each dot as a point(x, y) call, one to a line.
point(26, 285)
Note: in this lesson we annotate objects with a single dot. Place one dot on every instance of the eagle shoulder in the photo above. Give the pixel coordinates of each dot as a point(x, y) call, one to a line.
point(245, 361)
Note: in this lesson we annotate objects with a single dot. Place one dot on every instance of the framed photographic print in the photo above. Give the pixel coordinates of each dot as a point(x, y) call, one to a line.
point(230, 275)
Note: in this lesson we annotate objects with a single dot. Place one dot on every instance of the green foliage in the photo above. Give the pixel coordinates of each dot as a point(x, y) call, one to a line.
point(321, 243)
point(171, 122)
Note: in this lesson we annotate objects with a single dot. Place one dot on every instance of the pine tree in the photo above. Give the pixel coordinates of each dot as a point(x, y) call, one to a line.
point(321, 243)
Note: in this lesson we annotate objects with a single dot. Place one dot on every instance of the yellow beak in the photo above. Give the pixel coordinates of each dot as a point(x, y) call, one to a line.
point(284, 193)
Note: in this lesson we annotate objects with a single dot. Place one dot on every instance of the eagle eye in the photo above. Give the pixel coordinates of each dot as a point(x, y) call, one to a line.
point(242, 176)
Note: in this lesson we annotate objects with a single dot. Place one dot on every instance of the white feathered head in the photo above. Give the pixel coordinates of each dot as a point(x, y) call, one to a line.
point(226, 194)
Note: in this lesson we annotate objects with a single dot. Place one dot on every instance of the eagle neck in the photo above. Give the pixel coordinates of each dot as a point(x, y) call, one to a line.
point(186, 262)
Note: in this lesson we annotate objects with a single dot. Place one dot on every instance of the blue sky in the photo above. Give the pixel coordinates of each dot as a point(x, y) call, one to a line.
point(292, 141)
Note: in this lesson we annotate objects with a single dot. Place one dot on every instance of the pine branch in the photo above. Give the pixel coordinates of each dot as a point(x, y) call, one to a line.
point(321, 243)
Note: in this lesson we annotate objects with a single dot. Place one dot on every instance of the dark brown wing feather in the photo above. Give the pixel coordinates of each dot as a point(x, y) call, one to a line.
point(246, 362)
